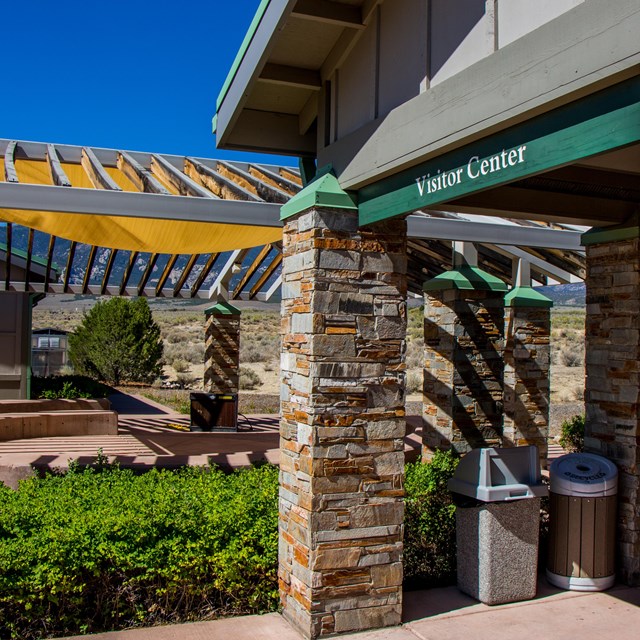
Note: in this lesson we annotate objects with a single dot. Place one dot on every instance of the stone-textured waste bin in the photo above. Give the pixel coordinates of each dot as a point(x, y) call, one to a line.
point(498, 523)
point(582, 522)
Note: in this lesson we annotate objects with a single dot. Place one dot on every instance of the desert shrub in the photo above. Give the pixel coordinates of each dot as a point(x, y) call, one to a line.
point(571, 356)
point(69, 387)
point(187, 351)
point(572, 434)
point(249, 379)
point(185, 380)
point(180, 366)
point(103, 549)
point(429, 534)
point(414, 381)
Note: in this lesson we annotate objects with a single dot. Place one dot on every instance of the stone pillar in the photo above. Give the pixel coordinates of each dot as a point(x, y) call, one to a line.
point(222, 348)
point(342, 416)
point(463, 370)
point(526, 366)
point(612, 393)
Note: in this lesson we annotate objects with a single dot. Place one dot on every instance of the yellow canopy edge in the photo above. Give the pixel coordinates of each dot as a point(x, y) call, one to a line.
point(144, 234)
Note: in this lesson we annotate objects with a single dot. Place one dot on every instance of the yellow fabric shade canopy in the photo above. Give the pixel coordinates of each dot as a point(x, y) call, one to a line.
point(153, 235)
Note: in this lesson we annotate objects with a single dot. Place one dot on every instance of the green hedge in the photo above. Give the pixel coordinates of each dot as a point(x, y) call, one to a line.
point(429, 523)
point(93, 551)
point(102, 548)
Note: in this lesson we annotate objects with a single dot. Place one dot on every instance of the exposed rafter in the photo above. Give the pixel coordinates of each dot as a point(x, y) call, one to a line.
point(153, 258)
point(67, 273)
point(248, 274)
point(287, 76)
point(100, 179)
point(89, 268)
point(139, 176)
point(184, 185)
point(202, 275)
point(10, 174)
point(218, 184)
point(166, 273)
point(342, 15)
point(58, 176)
point(133, 256)
point(186, 272)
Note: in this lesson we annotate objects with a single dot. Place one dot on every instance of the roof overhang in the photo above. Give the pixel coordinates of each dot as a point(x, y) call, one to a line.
point(273, 86)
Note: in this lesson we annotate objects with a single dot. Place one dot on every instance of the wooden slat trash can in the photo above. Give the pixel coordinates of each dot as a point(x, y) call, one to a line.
point(582, 522)
point(497, 493)
point(214, 411)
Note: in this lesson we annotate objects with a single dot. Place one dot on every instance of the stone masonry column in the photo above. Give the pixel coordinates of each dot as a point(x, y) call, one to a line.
point(612, 393)
point(463, 368)
point(526, 365)
point(222, 348)
point(342, 415)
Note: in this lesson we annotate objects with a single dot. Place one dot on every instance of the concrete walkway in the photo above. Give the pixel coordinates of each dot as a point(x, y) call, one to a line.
point(446, 614)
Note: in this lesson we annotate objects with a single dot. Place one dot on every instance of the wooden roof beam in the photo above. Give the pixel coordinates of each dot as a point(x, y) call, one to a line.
point(204, 272)
point(342, 15)
point(67, 272)
point(58, 176)
point(266, 274)
point(10, 174)
point(251, 183)
point(153, 258)
point(288, 76)
point(27, 271)
point(133, 256)
point(186, 272)
point(107, 271)
point(142, 178)
point(274, 179)
point(219, 185)
point(52, 244)
point(182, 183)
point(100, 179)
point(89, 268)
point(248, 274)
point(166, 273)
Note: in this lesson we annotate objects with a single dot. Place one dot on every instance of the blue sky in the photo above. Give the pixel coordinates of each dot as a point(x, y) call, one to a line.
point(128, 74)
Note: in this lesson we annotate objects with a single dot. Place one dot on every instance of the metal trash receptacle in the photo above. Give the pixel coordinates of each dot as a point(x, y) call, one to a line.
point(582, 522)
point(498, 495)
point(214, 411)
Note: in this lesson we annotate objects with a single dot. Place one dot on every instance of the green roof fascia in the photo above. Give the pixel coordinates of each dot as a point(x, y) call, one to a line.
point(527, 297)
point(324, 191)
point(23, 254)
point(619, 233)
point(465, 278)
point(253, 27)
point(222, 308)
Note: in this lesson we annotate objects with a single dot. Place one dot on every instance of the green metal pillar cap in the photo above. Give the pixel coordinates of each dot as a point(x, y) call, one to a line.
point(467, 278)
point(527, 297)
point(324, 191)
point(222, 308)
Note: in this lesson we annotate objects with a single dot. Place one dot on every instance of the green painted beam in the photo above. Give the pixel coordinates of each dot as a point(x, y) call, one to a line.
point(628, 231)
point(607, 120)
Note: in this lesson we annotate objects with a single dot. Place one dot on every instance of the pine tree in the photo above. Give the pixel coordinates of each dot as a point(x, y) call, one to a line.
point(118, 341)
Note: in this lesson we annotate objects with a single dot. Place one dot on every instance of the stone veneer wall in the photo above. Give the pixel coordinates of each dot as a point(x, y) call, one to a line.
point(526, 377)
point(463, 370)
point(613, 381)
point(343, 422)
point(222, 353)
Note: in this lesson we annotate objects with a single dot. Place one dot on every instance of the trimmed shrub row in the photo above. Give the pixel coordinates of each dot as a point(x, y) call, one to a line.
point(101, 548)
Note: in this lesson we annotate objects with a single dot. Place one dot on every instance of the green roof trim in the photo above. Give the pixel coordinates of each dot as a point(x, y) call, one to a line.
point(222, 308)
point(253, 27)
point(465, 278)
point(527, 297)
point(19, 253)
point(599, 235)
point(324, 191)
